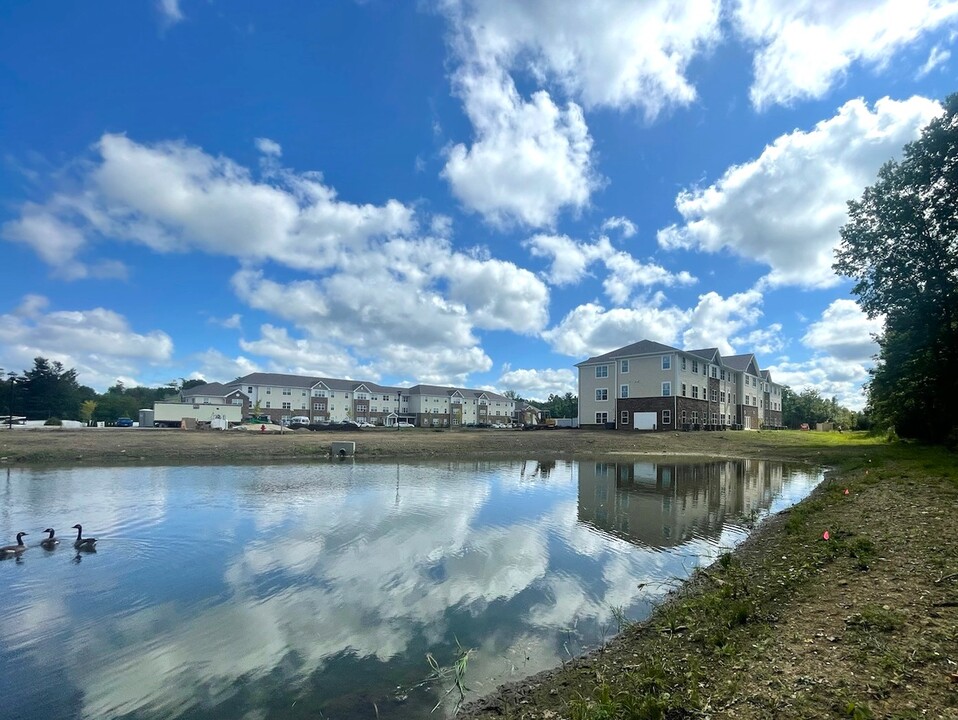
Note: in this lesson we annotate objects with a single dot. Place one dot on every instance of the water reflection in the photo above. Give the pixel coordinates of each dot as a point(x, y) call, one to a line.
point(662, 505)
point(290, 591)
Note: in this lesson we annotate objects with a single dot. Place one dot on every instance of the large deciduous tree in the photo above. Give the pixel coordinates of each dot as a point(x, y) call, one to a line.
point(900, 245)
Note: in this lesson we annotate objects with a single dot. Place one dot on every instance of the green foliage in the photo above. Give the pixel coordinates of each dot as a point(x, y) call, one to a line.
point(54, 422)
point(49, 390)
point(900, 245)
point(562, 406)
point(810, 407)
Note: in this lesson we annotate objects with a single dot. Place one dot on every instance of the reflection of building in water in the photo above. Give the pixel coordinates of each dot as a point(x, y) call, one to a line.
point(663, 505)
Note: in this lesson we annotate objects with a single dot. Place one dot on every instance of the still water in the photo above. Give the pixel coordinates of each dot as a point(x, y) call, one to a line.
point(307, 591)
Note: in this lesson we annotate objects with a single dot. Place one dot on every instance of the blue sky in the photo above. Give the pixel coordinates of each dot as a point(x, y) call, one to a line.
point(467, 192)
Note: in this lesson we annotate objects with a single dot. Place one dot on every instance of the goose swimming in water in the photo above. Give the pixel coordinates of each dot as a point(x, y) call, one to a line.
point(10, 550)
point(48, 543)
point(81, 542)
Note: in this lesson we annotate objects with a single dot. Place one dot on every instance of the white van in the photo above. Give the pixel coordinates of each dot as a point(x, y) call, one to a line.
point(299, 420)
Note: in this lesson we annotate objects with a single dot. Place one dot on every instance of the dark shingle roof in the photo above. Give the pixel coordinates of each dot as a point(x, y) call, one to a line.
point(642, 347)
point(710, 354)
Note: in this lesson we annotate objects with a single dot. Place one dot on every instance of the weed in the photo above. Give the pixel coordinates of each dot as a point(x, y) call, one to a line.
point(876, 618)
point(857, 711)
point(457, 672)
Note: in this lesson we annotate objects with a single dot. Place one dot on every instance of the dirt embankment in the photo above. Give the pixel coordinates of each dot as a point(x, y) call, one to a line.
point(92, 446)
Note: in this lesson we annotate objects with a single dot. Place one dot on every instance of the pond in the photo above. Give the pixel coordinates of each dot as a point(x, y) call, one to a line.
point(323, 590)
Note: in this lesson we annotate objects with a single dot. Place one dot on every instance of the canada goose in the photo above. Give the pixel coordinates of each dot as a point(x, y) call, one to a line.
point(81, 542)
point(10, 550)
point(48, 543)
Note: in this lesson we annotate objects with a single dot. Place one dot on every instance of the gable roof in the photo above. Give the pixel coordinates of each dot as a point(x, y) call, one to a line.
point(710, 354)
point(642, 347)
point(213, 389)
point(743, 363)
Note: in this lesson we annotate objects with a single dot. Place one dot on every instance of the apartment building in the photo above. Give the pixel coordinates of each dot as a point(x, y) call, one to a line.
point(651, 386)
point(330, 400)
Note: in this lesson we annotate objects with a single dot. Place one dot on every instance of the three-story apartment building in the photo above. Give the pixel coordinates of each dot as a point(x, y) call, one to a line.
point(330, 400)
point(652, 386)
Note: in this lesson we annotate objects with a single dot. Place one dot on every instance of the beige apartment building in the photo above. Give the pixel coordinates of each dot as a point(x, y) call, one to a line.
point(655, 387)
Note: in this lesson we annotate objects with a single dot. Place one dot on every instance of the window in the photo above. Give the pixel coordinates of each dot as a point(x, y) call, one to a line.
point(714, 418)
point(715, 396)
point(287, 406)
point(317, 406)
point(666, 362)
point(666, 417)
point(623, 391)
point(683, 390)
point(601, 394)
point(625, 366)
point(624, 420)
point(695, 366)
point(684, 417)
point(249, 389)
point(695, 416)
point(236, 401)
point(695, 392)
point(267, 404)
point(714, 371)
point(666, 389)
point(683, 363)
point(601, 418)
point(602, 371)
point(287, 391)
point(268, 391)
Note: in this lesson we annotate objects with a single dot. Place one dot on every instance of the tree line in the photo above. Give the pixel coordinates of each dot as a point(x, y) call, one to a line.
point(49, 391)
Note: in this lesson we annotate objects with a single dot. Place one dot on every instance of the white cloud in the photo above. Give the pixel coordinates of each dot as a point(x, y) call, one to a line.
point(528, 160)
point(606, 53)
point(843, 351)
point(98, 343)
point(715, 319)
point(170, 11)
point(535, 384)
point(570, 261)
point(269, 147)
point(418, 301)
point(172, 197)
point(591, 329)
point(784, 209)
point(936, 58)
point(806, 46)
point(844, 332)
point(763, 341)
point(626, 226)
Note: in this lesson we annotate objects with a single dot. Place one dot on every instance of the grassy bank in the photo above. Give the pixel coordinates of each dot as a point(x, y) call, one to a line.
point(863, 624)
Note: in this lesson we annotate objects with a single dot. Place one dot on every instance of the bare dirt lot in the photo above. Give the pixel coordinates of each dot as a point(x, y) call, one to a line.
point(860, 624)
point(93, 446)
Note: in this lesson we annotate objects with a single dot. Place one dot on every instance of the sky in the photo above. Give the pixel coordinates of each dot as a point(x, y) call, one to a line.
point(478, 193)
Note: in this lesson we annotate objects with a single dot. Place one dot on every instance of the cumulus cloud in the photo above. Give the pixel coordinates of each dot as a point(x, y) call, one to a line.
point(844, 332)
point(784, 208)
point(529, 159)
point(98, 343)
point(591, 329)
point(805, 47)
point(605, 53)
point(936, 58)
point(417, 300)
point(715, 319)
point(843, 347)
point(538, 384)
point(570, 261)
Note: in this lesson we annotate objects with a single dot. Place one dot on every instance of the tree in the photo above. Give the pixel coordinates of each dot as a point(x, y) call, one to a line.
point(87, 409)
point(900, 245)
point(50, 390)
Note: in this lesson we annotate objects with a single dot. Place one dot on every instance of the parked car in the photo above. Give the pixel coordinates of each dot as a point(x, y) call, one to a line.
point(404, 424)
point(124, 422)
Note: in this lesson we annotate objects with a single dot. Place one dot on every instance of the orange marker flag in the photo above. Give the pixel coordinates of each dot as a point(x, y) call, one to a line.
point(825, 535)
